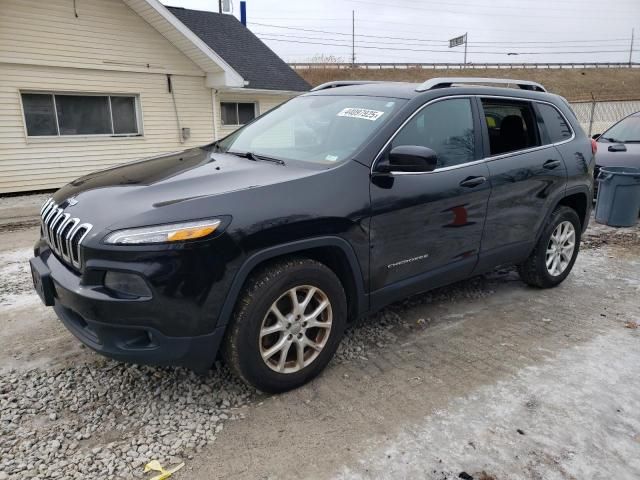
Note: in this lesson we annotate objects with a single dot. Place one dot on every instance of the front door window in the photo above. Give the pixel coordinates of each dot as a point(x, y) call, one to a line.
point(446, 127)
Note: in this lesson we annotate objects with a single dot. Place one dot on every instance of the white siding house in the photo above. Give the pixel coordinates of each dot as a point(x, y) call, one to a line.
point(89, 84)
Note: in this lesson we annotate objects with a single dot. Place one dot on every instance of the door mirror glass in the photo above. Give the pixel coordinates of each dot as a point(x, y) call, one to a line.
point(412, 158)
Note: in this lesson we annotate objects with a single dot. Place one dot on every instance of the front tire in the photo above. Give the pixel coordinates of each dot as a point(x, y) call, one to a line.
point(287, 325)
point(556, 251)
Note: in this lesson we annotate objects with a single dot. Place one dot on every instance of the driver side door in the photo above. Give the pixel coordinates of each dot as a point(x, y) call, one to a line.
point(426, 227)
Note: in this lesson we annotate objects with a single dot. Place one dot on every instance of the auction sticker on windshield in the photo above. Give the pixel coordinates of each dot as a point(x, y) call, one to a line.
point(363, 113)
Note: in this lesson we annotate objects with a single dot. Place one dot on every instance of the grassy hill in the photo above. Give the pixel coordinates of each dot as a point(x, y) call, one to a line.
point(574, 84)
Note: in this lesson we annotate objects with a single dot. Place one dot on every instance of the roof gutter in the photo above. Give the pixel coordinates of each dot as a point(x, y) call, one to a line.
point(260, 91)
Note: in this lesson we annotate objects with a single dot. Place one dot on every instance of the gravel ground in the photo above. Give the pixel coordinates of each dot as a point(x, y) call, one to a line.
point(109, 419)
point(77, 415)
point(97, 416)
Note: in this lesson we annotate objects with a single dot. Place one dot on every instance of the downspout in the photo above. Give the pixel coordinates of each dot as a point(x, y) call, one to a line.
point(175, 108)
point(214, 97)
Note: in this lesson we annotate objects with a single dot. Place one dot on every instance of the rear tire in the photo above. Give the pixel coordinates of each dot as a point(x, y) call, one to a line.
point(555, 253)
point(287, 325)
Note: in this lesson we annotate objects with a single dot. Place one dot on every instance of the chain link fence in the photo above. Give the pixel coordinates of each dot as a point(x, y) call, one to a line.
point(596, 117)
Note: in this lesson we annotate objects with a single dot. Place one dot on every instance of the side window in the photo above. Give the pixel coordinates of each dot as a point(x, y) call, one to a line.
point(555, 124)
point(233, 113)
point(88, 114)
point(446, 127)
point(511, 125)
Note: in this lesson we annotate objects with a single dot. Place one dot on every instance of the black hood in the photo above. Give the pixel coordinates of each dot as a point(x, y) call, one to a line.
point(167, 188)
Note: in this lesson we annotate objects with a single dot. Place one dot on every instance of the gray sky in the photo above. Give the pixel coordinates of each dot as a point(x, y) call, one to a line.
point(538, 30)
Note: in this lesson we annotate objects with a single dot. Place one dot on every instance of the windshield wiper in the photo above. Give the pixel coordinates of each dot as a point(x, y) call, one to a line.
point(612, 140)
point(255, 158)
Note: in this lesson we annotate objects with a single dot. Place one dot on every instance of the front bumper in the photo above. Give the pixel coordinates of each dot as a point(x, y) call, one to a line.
point(140, 344)
point(123, 329)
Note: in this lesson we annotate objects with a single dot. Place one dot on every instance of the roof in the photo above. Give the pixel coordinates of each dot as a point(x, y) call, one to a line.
point(411, 90)
point(376, 89)
point(241, 49)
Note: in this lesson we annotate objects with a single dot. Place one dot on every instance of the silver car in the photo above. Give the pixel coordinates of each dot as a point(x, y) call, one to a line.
point(619, 146)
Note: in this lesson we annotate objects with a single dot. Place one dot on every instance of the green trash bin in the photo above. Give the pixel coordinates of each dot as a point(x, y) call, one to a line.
point(618, 203)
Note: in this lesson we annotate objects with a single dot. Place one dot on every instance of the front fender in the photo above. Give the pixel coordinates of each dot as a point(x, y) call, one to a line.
point(287, 249)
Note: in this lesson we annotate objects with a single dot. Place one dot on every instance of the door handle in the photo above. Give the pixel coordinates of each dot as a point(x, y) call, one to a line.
point(471, 182)
point(620, 147)
point(551, 164)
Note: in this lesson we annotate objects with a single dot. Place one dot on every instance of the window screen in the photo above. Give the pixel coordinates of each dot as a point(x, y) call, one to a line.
point(446, 127)
point(511, 125)
point(48, 114)
point(229, 113)
point(233, 113)
point(83, 115)
point(555, 124)
point(39, 114)
point(246, 113)
point(123, 110)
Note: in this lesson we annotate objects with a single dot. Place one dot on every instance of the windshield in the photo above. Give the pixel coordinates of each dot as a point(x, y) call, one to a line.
point(320, 129)
point(627, 131)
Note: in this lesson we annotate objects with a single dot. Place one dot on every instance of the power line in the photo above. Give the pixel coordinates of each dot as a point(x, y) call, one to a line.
point(332, 33)
point(441, 51)
point(471, 46)
point(425, 39)
point(456, 27)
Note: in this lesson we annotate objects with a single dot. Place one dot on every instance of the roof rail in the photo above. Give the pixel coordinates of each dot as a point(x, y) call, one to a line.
point(342, 83)
point(443, 82)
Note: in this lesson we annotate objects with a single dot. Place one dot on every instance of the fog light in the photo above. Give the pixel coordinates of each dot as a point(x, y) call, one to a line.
point(127, 284)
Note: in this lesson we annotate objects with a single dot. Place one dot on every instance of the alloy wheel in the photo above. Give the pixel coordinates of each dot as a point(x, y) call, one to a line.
point(295, 329)
point(560, 249)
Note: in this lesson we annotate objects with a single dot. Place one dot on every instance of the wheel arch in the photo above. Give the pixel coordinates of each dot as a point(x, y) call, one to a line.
point(334, 252)
point(579, 198)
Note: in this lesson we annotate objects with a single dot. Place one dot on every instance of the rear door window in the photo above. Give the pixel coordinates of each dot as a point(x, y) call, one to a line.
point(511, 125)
point(556, 126)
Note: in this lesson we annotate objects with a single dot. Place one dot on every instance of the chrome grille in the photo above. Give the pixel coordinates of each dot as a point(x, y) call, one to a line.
point(63, 233)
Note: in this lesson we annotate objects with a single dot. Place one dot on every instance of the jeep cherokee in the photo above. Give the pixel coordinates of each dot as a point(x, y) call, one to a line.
point(263, 246)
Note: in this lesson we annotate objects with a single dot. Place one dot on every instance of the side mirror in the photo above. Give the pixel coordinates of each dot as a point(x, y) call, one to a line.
point(596, 136)
point(410, 158)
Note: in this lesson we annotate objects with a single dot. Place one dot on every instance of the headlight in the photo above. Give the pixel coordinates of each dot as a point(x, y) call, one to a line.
point(174, 232)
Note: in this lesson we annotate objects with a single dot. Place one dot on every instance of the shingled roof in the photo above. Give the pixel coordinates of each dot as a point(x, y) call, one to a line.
point(241, 49)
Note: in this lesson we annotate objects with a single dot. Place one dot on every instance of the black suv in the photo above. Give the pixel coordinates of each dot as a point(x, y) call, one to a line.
point(266, 244)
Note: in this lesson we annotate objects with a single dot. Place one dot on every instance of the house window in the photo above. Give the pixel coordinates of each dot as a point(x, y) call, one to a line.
point(50, 114)
point(234, 113)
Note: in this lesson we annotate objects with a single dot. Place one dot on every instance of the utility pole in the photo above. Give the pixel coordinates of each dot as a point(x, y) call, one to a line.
point(631, 48)
point(219, 6)
point(466, 41)
point(353, 38)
